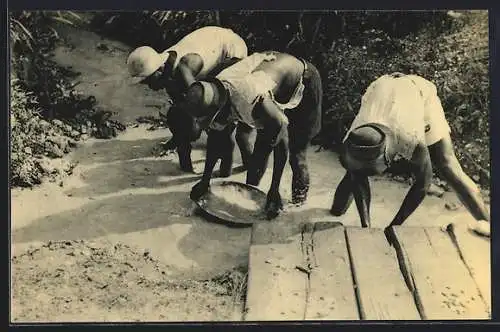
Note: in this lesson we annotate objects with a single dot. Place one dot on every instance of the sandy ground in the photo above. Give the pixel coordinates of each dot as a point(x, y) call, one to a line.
point(120, 193)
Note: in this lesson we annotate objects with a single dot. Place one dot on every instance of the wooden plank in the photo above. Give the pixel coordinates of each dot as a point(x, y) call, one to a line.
point(331, 290)
point(444, 288)
point(475, 252)
point(382, 291)
point(276, 288)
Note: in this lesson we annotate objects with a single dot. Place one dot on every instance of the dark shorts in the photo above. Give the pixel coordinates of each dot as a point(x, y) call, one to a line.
point(305, 119)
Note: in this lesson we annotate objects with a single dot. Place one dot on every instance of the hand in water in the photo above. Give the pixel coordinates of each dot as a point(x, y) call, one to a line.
point(274, 205)
point(198, 190)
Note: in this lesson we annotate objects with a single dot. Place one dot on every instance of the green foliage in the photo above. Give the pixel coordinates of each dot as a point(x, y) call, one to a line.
point(30, 30)
point(154, 28)
point(33, 138)
point(47, 116)
point(23, 117)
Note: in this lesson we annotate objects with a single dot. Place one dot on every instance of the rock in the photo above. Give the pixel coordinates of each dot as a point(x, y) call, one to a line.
point(55, 152)
point(68, 129)
point(102, 47)
point(44, 124)
point(58, 123)
point(46, 166)
point(28, 150)
point(435, 191)
point(399, 178)
point(72, 143)
point(59, 141)
point(451, 206)
point(106, 132)
point(68, 166)
point(75, 134)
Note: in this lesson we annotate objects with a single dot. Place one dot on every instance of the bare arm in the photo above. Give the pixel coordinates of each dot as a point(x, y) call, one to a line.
point(213, 144)
point(276, 139)
point(362, 196)
point(422, 170)
point(189, 66)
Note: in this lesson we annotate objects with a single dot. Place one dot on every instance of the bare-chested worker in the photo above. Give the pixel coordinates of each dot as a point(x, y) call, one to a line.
point(276, 93)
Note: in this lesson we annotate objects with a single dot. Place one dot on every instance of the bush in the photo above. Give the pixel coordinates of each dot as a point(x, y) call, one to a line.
point(23, 117)
point(33, 139)
point(47, 116)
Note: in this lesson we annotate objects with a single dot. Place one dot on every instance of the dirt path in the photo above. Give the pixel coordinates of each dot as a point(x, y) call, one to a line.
point(121, 193)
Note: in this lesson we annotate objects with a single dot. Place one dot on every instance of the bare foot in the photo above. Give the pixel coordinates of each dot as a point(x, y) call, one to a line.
point(197, 169)
point(481, 227)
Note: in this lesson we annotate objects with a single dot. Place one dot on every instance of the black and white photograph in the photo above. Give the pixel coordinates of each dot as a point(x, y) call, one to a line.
point(249, 166)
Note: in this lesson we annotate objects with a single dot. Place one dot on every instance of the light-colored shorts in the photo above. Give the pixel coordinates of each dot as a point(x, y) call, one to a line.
point(436, 126)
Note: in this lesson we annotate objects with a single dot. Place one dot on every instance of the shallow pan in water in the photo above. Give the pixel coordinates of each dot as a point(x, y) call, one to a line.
point(233, 203)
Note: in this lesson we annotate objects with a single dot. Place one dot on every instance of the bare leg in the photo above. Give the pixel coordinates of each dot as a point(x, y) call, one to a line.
point(226, 145)
point(362, 196)
point(444, 159)
point(304, 124)
point(184, 131)
point(259, 160)
point(343, 197)
point(243, 133)
point(274, 203)
point(203, 185)
point(184, 151)
point(300, 175)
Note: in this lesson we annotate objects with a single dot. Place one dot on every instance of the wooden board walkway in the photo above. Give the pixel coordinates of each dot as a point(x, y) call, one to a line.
point(325, 271)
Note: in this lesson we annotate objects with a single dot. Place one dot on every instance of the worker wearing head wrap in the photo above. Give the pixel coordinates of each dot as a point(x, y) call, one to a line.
point(277, 94)
point(401, 119)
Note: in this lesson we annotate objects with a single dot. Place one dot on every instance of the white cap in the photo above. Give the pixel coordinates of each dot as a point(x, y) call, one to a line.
point(144, 61)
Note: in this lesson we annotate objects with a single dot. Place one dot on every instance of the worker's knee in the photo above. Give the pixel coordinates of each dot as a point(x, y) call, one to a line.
point(449, 166)
point(242, 137)
point(451, 170)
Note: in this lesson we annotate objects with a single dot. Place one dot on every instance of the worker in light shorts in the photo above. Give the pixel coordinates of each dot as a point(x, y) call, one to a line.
point(279, 95)
point(200, 54)
point(401, 118)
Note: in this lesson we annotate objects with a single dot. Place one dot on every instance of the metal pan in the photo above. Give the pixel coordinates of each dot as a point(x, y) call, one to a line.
point(233, 203)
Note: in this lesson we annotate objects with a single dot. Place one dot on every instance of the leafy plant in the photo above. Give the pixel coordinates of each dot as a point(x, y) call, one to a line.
point(34, 28)
point(47, 116)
